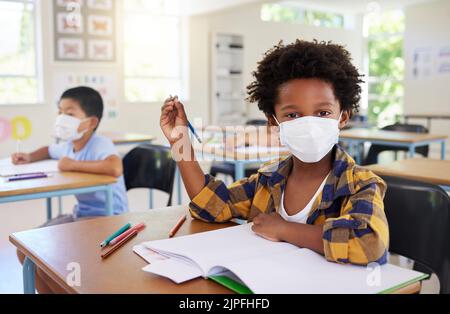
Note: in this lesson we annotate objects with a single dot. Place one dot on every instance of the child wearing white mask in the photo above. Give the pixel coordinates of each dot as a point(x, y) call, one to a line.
point(317, 198)
point(81, 149)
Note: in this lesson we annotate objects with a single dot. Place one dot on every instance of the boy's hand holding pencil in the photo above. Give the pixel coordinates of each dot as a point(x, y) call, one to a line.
point(21, 158)
point(174, 122)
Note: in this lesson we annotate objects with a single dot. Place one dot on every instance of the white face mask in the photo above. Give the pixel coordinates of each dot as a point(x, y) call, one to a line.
point(310, 139)
point(66, 128)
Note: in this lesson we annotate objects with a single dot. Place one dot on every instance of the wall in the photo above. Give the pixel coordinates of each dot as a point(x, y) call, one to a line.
point(259, 36)
point(245, 20)
point(427, 26)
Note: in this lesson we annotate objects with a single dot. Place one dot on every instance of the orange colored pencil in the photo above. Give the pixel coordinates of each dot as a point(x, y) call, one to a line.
point(177, 226)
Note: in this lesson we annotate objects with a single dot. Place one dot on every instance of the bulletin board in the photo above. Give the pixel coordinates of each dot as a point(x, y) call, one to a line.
point(84, 30)
point(104, 82)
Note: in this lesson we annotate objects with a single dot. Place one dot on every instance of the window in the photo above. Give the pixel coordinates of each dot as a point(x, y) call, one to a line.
point(153, 50)
point(18, 70)
point(386, 66)
point(293, 13)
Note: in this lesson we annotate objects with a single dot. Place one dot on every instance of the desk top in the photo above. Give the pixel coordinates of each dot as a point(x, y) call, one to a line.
point(127, 138)
point(424, 169)
point(242, 153)
point(57, 181)
point(53, 248)
point(391, 136)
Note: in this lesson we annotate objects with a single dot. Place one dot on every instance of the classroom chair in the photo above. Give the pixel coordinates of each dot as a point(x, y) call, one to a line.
point(418, 214)
point(375, 149)
point(150, 166)
point(227, 168)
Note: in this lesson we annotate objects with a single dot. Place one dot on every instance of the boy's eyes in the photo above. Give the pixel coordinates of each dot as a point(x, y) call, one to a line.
point(292, 115)
point(324, 113)
point(296, 115)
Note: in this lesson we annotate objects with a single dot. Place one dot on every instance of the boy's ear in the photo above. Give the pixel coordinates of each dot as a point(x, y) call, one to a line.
point(271, 120)
point(93, 123)
point(346, 115)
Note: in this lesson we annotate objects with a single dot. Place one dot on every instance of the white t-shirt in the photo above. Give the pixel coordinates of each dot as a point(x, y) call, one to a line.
point(302, 216)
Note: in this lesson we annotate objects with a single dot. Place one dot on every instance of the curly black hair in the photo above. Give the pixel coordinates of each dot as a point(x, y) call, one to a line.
point(301, 60)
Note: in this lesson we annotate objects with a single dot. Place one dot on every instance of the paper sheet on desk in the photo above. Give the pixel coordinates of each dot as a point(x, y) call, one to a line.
point(7, 168)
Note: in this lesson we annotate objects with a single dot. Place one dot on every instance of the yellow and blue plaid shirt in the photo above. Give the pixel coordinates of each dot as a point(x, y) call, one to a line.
point(350, 207)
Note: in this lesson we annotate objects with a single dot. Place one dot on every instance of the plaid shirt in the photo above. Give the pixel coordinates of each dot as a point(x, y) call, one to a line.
point(350, 207)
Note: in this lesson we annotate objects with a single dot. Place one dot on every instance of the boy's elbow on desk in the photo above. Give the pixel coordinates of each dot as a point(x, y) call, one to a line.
point(357, 251)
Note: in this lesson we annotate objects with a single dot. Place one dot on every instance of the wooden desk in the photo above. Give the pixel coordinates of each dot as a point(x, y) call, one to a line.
point(58, 184)
point(355, 137)
point(53, 248)
point(120, 138)
point(424, 169)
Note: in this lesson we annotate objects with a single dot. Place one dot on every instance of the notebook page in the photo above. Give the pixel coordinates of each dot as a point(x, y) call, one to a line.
point(7, 168)
point(304, 272)
point(176, 270)
point(214, 248)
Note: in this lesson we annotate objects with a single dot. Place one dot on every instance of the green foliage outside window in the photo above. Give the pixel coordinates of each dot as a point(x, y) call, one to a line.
point(386, 67)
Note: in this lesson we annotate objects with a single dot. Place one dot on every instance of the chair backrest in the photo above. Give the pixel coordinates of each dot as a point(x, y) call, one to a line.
point(150, 166)
point(400, 127)
point(376, 149)
point(257, 122)
point(418, 214)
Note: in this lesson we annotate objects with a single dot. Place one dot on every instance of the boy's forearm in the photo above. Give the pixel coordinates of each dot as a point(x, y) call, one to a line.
point(304, 236)
point(190, 170)
point(40, 154)
point(102, 167)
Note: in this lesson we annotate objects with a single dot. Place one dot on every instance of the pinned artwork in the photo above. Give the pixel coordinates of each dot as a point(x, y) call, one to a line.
point(85, 30)
point(70, 49)
point(100, 50)
point(100, 25)
point(100, 4)
point(69, 23)
point(443, 60)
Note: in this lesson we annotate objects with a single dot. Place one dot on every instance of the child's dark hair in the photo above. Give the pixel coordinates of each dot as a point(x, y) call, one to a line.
point(302, 60)
point(90, 100)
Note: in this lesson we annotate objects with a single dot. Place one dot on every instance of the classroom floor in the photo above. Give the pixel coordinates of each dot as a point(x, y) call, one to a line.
point(21, 216)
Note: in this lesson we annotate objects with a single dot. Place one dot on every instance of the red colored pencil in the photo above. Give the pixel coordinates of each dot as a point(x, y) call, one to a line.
point(116, 240)
point(121, 243)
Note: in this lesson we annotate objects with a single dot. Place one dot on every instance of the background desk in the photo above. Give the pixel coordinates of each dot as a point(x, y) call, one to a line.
point(424, 169)
point(53, 248)
point(59, 184)
point(120, 138)
point(238, 158)
point(427, 116)
point(355, 137)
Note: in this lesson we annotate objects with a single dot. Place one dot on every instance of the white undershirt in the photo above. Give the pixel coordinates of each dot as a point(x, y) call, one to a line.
point(302, 216)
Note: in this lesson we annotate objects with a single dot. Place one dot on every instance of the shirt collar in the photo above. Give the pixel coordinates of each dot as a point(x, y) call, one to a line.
point(338, 183)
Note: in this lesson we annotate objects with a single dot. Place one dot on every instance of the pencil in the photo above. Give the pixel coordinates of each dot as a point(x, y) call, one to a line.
point(138, 227)
point(120, 244)
point(115, 234)
point(171, 98)
point(177, 226)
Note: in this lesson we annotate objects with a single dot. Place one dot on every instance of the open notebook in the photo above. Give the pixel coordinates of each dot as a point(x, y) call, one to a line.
point(7, 168)
point(245, 263)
